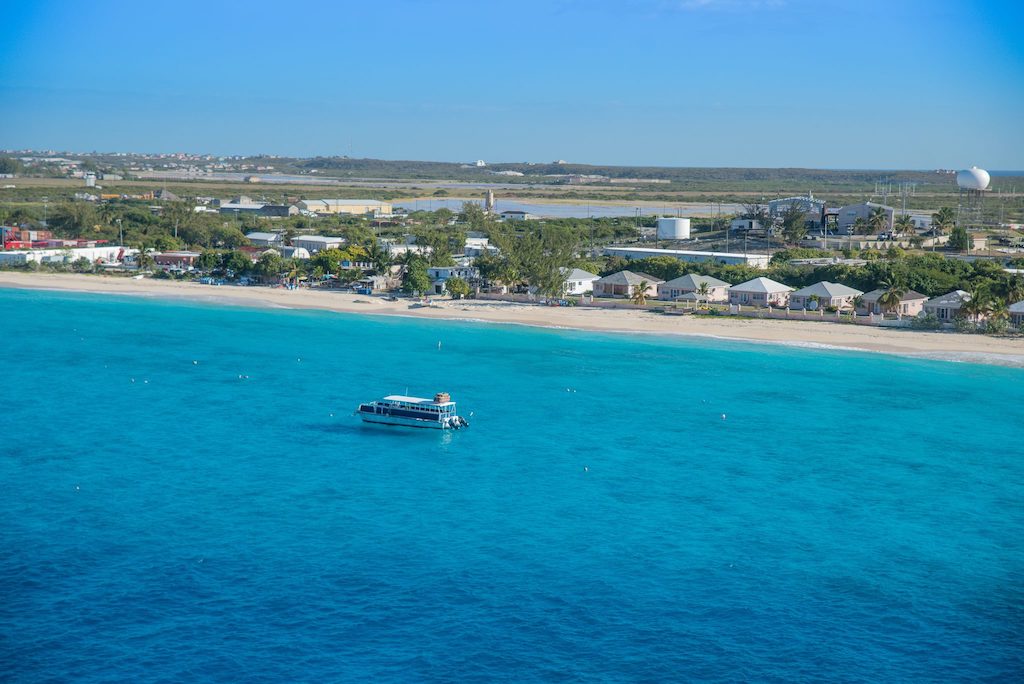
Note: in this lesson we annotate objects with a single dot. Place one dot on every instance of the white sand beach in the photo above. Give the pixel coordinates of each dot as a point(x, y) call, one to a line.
point(943, 345)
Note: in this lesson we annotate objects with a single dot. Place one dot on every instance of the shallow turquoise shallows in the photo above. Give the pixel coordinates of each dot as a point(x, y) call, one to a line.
point(186, 496)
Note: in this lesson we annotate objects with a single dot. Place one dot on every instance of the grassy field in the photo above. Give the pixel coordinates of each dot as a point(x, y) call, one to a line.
point(999, 206)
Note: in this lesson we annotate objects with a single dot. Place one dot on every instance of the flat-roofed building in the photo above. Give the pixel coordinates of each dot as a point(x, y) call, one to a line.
point(264, 239)
point(691, 256)
point(241, 208)
point(516, 215)
point(106, 254)
point(316, 243)
point(440, 275)
point(358, 207)
point(176, 260)
point(746, 225)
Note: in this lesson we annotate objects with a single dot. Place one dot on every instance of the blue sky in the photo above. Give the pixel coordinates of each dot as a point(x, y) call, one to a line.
point(826, 83)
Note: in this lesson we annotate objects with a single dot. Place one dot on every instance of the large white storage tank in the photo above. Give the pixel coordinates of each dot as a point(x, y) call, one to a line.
point(973, 179)
point(673, 229)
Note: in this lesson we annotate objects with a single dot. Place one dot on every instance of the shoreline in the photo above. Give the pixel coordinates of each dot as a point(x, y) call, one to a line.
point(803, 334)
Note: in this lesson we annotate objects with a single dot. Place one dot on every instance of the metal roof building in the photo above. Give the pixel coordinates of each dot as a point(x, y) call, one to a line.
point(728, 258)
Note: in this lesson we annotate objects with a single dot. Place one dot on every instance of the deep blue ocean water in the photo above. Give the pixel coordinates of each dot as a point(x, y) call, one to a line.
point(854, 517)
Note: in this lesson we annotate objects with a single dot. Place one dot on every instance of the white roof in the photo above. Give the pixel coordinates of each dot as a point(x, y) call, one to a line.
point(827, 289)
point(262, 236)
point(1017, 308)
point(578, 274)
point(240, 205)
point(761, 286)
point(685, 252)
point(956, 298)
point(415, 400)
point(345, 202)
point(318, 238)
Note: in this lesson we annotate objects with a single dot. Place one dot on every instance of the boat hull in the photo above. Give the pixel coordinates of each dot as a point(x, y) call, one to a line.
point(399, 421)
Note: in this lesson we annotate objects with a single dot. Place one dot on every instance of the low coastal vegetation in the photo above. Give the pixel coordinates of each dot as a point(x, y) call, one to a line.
point(527, 256)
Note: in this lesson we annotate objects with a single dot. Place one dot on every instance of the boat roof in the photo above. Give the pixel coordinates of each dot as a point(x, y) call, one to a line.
point(415, 400)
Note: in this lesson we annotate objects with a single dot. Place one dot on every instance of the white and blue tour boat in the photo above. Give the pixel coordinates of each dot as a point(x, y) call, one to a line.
point(437, 413)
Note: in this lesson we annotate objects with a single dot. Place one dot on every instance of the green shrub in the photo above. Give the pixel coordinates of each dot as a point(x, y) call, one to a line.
point(926, 322)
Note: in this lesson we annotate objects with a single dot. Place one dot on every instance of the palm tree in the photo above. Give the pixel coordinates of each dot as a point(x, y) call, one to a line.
point(855, 304)
point(640, 293)
point(380, 258)
point(942, 221)
point(145, 260)
point(1013, 289)
point(703, 291)
point(999, 311)
point(979, 305)
point(879, 220)
point(105, 211)
point(904, 225)
point(892, 297)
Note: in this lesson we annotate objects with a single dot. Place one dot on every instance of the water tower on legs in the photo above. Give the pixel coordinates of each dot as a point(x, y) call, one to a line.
point(973, 184)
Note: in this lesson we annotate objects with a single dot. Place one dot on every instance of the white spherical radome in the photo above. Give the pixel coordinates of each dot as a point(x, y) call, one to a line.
point(973, 178)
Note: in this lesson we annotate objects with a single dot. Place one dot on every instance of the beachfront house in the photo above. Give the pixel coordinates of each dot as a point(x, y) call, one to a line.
point(760, 292)
point(911, 303)
point(578, 281)
point(693, 283)
point(626, 284)
point(1017, 314)
point(947, 307)
point(439, 275)
point(176, 261)
point(823, 295)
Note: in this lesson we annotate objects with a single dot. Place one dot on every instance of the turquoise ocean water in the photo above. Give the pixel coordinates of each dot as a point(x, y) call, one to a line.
point(853, 518)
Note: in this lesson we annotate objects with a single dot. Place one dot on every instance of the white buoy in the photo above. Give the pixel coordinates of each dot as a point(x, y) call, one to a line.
point(439, 344)
point(723, 416)
point(195, 363)
point(586, 469)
